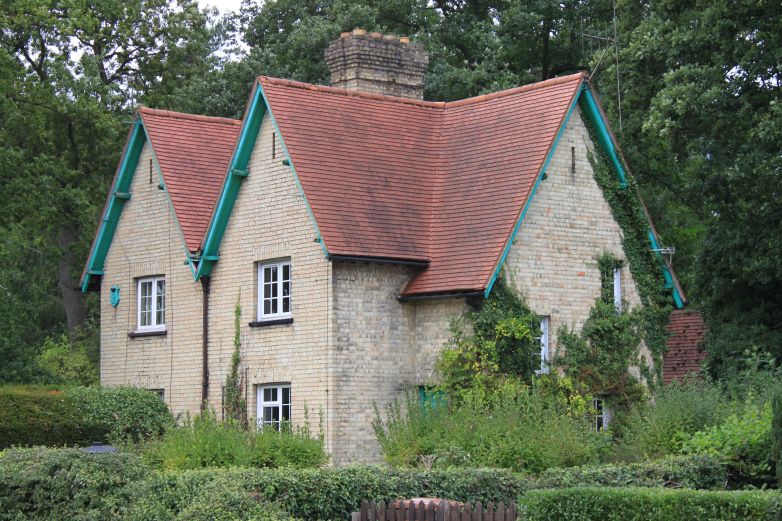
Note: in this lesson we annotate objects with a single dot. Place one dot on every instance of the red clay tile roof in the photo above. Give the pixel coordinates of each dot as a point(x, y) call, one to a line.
point(193, 153)
point(404, 179)
point(686, 330)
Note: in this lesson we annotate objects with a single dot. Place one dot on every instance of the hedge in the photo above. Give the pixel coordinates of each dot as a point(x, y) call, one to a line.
point(43, 483)
point(649, 504)
point(697, 472)
point(79, 415)
point(320, 494)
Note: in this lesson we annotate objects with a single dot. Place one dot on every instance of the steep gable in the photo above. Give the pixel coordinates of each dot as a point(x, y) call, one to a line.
point(190, 153)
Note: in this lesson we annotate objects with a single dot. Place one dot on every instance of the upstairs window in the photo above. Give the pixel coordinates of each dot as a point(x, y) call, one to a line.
point(274, 405)
point(274, 290)
point(618, 289)
point(544, 347)
point(151, 305)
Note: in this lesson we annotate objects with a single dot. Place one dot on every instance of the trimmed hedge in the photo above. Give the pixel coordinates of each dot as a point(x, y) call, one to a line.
point(43, 483)
point(649, 504)
point(79, 415)
point(320, 494)
point(697, 472)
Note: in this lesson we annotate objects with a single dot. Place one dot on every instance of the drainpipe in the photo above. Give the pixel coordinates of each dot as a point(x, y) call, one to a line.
point(205, 342)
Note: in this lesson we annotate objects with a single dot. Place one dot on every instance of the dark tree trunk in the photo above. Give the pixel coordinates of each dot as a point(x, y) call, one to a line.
point(72, 301)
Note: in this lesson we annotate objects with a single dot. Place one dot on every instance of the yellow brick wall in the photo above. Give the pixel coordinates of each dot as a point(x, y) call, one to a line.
point(270, 221)
point(148, 241)
point(568, 225)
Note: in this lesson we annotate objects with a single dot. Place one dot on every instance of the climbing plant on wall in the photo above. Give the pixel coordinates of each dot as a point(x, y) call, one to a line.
point(498, 338)
point(645, 266)
point(235, 402)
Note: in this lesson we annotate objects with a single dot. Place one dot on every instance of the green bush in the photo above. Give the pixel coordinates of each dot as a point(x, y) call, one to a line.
point(696, 472)
point(645, 504)
point(743, 442)
point(776, 432)
point(78, 415)
point(124, 413)
point(41, 416)
point(207, 442)
point(319, 494)
point(514, 427)
point(218, 500)
point(659, 428)
point(56, 484)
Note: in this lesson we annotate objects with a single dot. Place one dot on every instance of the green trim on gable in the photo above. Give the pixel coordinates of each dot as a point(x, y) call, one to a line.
point(239, 163)
point(589, 107)
point(238, 169)
point(116, 202)
point(541, 176)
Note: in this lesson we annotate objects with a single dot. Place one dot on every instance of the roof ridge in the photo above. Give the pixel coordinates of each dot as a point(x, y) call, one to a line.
point(185, 115)
point(580, 76)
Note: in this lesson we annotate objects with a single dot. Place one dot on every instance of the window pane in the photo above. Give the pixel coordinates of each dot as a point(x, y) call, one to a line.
point(161, 302)
point(286, 412)
point(286, 305)
point(273, 303)
point(145, 315)
point(286, 272)
point(267, 414)
point(286, 395)
point(267, 307)
point(267, 395)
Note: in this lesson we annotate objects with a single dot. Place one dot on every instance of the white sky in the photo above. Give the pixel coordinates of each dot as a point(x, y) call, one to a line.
point(222, 5)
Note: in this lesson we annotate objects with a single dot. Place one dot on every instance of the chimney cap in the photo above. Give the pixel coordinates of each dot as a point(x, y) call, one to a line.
point(359, 32)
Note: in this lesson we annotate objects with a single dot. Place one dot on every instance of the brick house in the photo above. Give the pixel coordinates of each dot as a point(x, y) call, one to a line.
point(351, 223)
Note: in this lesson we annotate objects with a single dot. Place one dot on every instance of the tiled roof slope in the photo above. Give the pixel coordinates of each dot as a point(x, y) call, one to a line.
point(405, 179)
point(193, 153)
point(686, 330)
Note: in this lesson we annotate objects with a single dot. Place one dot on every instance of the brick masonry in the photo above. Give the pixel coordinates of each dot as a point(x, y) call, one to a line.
point(352, 344)
point(384, 64)
point(148, 241)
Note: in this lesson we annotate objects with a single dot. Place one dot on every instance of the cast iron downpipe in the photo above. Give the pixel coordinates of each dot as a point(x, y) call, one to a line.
point(205, 342)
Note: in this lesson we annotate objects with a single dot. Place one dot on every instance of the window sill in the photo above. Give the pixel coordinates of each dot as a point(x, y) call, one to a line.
point(137, 334)
point(272, 322)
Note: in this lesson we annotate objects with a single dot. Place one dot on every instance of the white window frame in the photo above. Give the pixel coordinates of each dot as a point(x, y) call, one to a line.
point(154, 325)
point(261, 316)
point(603, 414)
point(278, 403)
point(618, 289)
point(545, 354)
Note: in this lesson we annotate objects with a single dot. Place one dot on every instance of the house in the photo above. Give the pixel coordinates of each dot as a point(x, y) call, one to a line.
point(350, 223)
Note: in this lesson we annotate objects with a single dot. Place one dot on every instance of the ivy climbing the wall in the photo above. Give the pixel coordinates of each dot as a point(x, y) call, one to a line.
point(600, 355)
point(498, 338)
point(235, 403)
point(644, 264)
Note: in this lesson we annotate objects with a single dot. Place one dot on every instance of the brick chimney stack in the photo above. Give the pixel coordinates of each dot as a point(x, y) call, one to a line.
point(374, 62)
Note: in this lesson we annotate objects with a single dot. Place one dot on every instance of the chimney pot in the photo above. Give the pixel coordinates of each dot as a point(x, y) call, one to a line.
point(382, 64)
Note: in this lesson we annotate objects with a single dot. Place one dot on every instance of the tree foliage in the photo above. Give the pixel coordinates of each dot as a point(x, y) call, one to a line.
point(700, 105)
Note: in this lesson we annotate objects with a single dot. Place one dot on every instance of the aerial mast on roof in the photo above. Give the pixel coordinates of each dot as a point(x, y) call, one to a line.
point(612, 41)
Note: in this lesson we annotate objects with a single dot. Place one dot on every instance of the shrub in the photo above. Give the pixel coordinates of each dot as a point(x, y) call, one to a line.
point(219, 500)
point(659, 428)
point(696, 472)
point(320, 494)
point(124, 413)
point(743, 442)
point(207, 442)
point(776, 432)
point(43, 483)
point(514, 427)
point(69, 361)
point(41, 416)
point(644, 504)
point(78, 415)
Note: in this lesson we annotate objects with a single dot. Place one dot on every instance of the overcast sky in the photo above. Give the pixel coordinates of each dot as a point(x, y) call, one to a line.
point(222, 5)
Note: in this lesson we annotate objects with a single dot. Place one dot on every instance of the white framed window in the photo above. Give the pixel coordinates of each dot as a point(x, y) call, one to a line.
point(274, 290)
point(602, 415)
point(544, 346)
point(618, 289)
point(274, 405)
point(151, 303)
